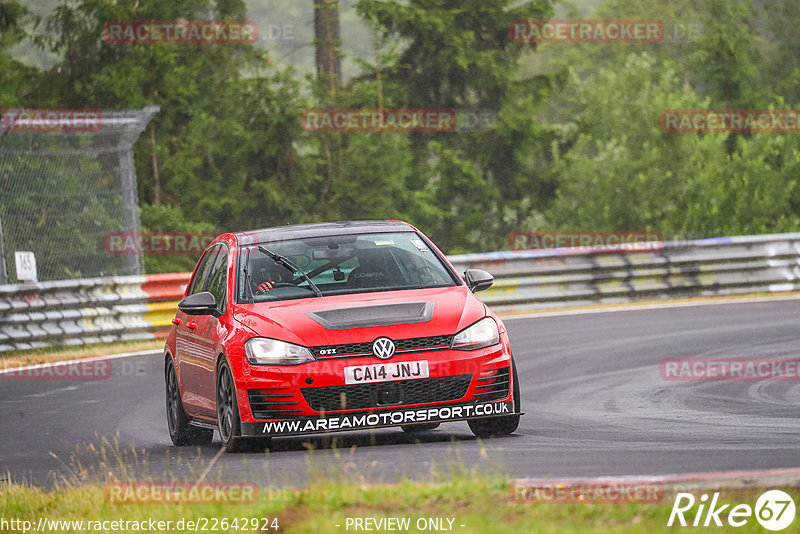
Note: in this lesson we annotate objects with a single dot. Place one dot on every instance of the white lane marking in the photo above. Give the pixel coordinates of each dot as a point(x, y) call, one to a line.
point(82, 360)
point(52, 391)
point(634, 307)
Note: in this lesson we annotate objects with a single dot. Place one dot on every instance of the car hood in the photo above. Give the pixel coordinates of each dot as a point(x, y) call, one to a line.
point(364, 316)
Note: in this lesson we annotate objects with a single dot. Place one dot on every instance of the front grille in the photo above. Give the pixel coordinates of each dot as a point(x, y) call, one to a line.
point(361, 396)
point(417, 343)
point(401, 345)
point(273, 403)
point(492, 385)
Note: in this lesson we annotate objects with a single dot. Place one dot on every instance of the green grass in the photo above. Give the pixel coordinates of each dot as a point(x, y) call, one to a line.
point(480, 503)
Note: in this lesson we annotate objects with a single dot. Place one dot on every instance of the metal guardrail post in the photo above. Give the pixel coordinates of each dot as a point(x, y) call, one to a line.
point(137, 307)
point(551, 278)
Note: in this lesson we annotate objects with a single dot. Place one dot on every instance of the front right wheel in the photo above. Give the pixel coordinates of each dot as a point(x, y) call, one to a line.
point(499, 426)
point(181, 432)
point(228, 420)
point(228, 410)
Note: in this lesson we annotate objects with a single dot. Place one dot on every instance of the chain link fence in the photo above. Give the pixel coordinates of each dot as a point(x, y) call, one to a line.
point(67, 179)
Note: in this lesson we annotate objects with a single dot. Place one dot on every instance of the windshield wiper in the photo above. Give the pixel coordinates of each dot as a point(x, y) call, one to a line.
point(252, 297)
point(289, 264)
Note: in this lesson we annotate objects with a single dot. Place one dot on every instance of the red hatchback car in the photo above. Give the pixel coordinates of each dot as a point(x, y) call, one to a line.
point(331, 327)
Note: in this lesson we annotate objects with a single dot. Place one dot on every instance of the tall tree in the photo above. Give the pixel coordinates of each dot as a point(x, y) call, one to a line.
point(328, 45)
point(458, 55)
point(781, 72)
point(228, 126)
point(15, 78)
point(725, 59)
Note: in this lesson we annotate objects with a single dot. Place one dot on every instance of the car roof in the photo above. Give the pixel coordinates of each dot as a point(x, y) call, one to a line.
point(302, 231)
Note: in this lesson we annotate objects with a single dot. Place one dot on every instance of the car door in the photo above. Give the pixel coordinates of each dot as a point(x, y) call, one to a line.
point(208, 335)
point(188, 345)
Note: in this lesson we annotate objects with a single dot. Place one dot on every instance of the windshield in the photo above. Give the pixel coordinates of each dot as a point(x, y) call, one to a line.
point(339, 265)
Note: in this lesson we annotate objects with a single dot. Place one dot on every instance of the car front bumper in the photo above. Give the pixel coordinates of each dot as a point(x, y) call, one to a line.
point(382, 418)
point(314, 397)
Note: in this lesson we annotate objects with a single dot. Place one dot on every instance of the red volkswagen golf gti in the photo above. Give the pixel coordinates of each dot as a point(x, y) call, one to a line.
point(329, 327)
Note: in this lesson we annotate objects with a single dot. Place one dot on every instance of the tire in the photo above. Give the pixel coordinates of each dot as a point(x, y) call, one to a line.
point(421, 427)
point(228, 421)
point(499, 426)
point(181, 432)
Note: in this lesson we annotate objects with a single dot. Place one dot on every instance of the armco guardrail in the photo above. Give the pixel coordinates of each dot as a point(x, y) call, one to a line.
point(140, 307)
point(93, 310)
point(536, 279)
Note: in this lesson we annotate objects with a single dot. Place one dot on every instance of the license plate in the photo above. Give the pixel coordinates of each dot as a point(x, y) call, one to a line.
point(385, 372)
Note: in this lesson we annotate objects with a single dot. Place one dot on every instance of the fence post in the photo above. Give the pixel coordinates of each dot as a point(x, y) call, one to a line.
point(130, 196)
point(78, 172)
point(3, 274)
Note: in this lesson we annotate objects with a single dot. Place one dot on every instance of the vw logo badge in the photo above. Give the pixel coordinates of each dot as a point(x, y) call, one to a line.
point(383, 348)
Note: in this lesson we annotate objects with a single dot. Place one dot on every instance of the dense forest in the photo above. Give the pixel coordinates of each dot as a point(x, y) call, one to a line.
point(574, 141)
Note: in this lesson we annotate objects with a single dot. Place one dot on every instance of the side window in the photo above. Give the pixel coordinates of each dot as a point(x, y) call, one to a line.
point(218, 278)
point(200, 280)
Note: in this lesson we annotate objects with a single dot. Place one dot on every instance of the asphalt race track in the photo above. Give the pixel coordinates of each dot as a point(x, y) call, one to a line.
point(594, 398)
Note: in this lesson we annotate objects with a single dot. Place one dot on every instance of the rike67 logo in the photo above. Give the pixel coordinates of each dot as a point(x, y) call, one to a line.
point(774, 510)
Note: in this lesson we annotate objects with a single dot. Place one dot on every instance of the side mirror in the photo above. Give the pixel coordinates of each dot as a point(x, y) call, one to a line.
point(199, 304)
point(478, 280)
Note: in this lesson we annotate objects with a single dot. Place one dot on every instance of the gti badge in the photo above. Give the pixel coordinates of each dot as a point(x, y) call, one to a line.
point(383, 348)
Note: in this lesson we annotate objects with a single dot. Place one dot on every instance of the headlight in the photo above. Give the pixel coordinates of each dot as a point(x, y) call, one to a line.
point(484, 333)
point(263, 351)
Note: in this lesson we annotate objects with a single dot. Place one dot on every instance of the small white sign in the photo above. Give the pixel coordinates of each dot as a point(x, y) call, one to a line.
point(26, 266)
